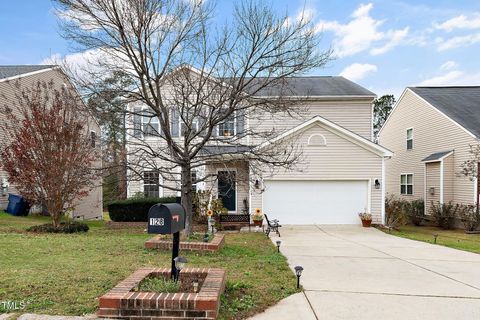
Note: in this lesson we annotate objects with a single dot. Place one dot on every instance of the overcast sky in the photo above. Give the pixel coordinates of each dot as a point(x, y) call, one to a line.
point(384, 45)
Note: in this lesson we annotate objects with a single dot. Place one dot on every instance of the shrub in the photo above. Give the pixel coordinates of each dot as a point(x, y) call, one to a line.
point(416, 211)
point(64, 227)
point(444, 214)
point(395, 216)
point(470, 216)
point(134, 209)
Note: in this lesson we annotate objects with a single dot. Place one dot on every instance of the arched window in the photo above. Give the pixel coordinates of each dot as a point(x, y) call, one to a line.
point(317, 140)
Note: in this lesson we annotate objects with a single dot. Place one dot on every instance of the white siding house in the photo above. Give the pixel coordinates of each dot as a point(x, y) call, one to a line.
point(340, 171)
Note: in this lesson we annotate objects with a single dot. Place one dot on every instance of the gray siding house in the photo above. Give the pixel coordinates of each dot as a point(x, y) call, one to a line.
point(89, 207)
point(341, 171)
point(430, 130)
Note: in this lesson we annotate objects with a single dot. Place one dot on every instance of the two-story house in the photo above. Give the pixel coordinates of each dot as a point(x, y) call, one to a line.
point(26, 76)
point(341, 171)
point(430, 130)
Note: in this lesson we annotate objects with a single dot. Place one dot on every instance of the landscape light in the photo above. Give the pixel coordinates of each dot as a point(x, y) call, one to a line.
point(180, 263)
point(298, 273)
point(278, 245)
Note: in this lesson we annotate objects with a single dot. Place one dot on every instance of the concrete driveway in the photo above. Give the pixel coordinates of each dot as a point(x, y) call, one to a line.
point(358, 273)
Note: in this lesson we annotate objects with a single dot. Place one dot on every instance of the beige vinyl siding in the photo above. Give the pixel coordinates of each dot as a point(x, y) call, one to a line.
point(448, 178)
point(354, 115)
point(432, 179)
point(89, 207)
point(340, 159)
point(432, 132)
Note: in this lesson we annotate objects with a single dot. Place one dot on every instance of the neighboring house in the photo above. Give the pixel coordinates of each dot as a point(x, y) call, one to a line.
point(430, 130)
point(89, 207)
point(341, 172)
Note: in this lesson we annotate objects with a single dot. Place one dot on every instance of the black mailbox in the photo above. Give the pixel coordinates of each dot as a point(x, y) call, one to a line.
point(166, 218)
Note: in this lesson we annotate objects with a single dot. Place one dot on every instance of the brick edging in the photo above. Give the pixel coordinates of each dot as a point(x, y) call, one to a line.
point(122, 302)
point(216, 244)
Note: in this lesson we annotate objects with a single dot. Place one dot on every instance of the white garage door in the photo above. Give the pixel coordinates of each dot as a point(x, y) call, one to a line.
point(315, 202)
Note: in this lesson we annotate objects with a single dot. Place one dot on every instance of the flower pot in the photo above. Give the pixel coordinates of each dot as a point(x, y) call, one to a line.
point(257, 223)
point(366, 223)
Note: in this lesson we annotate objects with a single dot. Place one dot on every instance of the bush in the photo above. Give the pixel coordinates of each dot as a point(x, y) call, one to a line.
point(470, 217)
point(416, 211)
point(135, 209)
point(65, 227)
point(444, 214)
point(395, 216)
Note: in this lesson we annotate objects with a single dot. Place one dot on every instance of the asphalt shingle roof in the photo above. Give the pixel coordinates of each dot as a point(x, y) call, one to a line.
point(461, 104)
point(313, 87)
point(16, 70)
point(437, 156)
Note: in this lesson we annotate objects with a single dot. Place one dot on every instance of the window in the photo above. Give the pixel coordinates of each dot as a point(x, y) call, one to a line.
point(227, 128)
point(194, 182)
point(137, 123)
point(406, 184)
point(409, 139)
point(93, 138)
point(150, 184)
point(183, 127)
point(151, 126)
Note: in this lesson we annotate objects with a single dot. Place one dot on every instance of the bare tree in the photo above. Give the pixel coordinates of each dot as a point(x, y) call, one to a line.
point(469, 168)
point(48, 152)
point(198, 77)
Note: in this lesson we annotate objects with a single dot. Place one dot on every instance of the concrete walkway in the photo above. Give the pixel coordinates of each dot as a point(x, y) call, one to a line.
point(358, 273)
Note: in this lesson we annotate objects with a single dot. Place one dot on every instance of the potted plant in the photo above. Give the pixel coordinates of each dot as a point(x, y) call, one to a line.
point(257, 218)
point(366, 219)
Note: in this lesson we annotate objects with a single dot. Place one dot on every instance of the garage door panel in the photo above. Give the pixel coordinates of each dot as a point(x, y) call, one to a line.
point(315, 202)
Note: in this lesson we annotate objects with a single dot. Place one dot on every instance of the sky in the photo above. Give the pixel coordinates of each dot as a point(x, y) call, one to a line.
point(384, 45)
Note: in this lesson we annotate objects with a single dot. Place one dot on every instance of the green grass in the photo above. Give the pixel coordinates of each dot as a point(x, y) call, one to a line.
point(63, 274)
point(158, 285)
point(457, 239)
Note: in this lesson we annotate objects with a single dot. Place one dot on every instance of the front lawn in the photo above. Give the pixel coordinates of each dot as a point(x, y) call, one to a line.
point(450, 238)
point(64, 274)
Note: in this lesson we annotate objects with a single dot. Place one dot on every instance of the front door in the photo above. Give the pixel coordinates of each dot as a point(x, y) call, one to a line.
point(227, 189)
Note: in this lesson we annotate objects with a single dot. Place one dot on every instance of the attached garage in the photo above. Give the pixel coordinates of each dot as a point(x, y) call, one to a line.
point(316, 202)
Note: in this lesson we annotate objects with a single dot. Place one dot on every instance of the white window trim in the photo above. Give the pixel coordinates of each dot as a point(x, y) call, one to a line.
point(196, 178)
point(406, 138)
point(234, 127)
point(413, 184)
point(236, 186)
point(150, 122)
point(195, 123)
point(160, 181)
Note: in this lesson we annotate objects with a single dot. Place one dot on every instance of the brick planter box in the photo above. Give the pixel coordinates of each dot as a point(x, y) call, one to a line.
point(214, 245)
point(124, 303)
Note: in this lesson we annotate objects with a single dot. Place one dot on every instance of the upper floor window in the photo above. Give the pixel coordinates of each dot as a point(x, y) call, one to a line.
point(151, 186)
point(151, 125)
point(227, 127)
point(406, 184)
point(410, 139)
point(184, 127)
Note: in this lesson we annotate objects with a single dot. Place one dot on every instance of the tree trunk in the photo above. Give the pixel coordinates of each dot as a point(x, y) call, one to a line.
point(56, 220)
point(187, 198)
